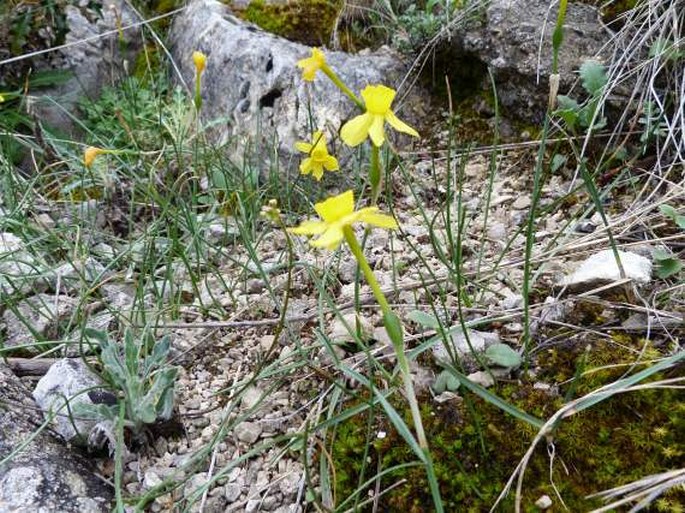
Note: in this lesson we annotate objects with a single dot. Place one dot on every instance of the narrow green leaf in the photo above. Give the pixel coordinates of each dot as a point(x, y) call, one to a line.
point(623, 384)
point(393, 326)
point(494, 400)
point(132, 352)
point(159, 353)
point(395, 418)
point(109, 356)
point(557, 161)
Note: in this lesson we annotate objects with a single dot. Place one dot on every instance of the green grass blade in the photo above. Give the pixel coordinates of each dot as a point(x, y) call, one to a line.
point(494, 400)
point(394, 417)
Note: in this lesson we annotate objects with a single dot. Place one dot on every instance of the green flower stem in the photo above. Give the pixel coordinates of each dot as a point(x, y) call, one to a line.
point(375, 173)
point(394, 330)
point(198, 96)
point(340, 85)
point(411, 397)
point(356, 249)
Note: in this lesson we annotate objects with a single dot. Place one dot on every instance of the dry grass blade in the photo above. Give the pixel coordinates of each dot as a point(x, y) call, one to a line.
point(628, 384)
point(644, 490)
point(646, 70)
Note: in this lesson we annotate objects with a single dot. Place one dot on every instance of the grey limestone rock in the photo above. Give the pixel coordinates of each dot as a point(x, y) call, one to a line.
point(43, 476)
point(602, 269)
point(68, 379)
point(36, 316)
point(254, 92)
point(248, 432)
point(20, 271)
point(462, 346)
point(94, 57)
point(72, 276)
point(513, 39)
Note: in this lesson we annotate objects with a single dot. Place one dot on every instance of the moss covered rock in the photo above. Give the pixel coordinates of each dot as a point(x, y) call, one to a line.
point(310, 22)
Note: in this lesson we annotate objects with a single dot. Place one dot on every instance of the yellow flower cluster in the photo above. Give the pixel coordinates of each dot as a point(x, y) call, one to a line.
point(377, 101)
point(338, 212)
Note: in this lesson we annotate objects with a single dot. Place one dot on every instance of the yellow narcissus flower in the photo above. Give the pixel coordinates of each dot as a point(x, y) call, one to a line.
point(319, 158)
point(200, 60)
point(312, 64)
point(338, 213)
point(377, 99)
point(90, 154)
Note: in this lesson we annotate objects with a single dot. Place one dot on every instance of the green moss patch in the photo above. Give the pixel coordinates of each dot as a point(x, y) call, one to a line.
point(476, 446)
point(310, 22)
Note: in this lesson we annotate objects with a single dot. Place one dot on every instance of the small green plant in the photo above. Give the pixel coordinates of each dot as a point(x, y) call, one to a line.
point(445, 382)
point(673, 215)
point(654, 126)
point(667, 264)
point(407, 26)
point(575, 115)
point(141, 377)
point(419, 24)
point(128, 115)
point(503, 355)
point(23, 19)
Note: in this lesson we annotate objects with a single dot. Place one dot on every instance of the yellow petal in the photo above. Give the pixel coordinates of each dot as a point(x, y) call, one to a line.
point(304, 147)
point(356, 130)
point(376, 131)
point(318, 56)
point(371, 216)
point(312, 64)
point(309, 228)
point(336, 207)
point(331, 163)
point(399, 125)
point(317, 170)
point(331, 238)
point(378, 98)
point(319, 139)
point(306, 166)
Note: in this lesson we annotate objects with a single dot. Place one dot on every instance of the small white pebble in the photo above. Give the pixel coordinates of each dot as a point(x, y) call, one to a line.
point(544, 502)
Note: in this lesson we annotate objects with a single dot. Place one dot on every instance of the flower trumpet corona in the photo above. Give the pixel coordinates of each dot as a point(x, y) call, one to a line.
point(337, 216)
point(319, 158)
point(200, 61)
point(377, 101)
point(91, 153)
